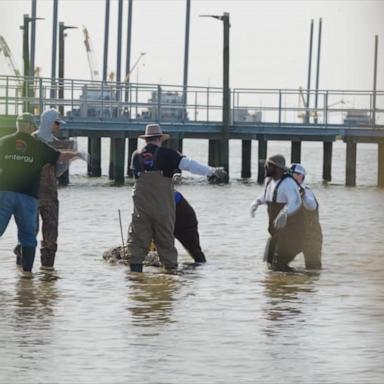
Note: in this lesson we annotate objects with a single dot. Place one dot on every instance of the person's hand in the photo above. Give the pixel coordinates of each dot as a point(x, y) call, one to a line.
point(84, 155)
point(219, 175)
point(177, 178)
point(281, 219)
point(254, 207)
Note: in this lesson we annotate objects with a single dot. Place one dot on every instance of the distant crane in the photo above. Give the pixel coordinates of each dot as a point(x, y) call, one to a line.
point(8, 57)
point(134, 66)
point(302, 115)
point(95, 75)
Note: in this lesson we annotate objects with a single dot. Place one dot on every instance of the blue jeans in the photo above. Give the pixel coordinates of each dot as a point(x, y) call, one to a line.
point(24, 209)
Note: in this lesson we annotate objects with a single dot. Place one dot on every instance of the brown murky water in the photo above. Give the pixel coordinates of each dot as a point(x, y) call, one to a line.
point(225, 322)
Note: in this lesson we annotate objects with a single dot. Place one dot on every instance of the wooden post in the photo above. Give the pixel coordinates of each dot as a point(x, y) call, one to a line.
point(262, 157)
point(111, 160)
point(119, 160)
point(174, 143)
point(213, 157)
point(327, 160)
point(94, 150)
point(350, 168)
point(132, 146)
point(380, 172)
point(296, 152)
point(246, 152)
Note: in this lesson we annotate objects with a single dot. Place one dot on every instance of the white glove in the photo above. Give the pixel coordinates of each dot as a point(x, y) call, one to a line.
point(220, 173)
point(281, 219)
point(254, 207)
point(177, 178)
point(84, 155)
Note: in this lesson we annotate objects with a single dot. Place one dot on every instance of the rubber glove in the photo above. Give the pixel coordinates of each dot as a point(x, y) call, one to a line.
point(281, 219)
point(219, 174)
point(254, 207)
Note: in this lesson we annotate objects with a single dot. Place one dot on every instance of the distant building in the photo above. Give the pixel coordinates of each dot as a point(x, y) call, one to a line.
point(171, 107)
point(242, 115)
point(357, 117)
point(91, 105)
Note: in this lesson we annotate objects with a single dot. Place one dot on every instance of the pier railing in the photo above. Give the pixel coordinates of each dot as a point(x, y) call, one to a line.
point(83, 99)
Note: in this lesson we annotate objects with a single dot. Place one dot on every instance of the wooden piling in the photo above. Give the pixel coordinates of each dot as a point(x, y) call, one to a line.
point(262, 156)
point(175, 143)
point(213, 153)
point(218, 154)
point(327, 160)
point(63, 180)
point(380, 171)
point(111, 159)
point(94, 150)
point(246, 153)
point(350, 168)
point(296, 152)
point(118, 160)
point(132, 146)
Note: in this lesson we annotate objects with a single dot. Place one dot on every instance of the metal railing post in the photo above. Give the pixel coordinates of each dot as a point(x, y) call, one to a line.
point(41, 98)
point(280, 100)
point(102, 99)
point(207, 104)
point(326, 108)
point(72, 96)
point(6, 95)
point(158, 103)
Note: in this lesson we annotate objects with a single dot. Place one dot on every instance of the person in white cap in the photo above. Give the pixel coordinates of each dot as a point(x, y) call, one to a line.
point(281, 195)
point(313, 237)
point(22, 159)
point(153, 198)
point(48, 132)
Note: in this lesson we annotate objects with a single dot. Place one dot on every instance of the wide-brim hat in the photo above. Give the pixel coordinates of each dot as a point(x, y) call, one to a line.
point(278, 161)
point(154, 130)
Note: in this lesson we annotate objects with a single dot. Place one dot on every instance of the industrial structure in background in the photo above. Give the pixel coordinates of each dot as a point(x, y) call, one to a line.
point(95, 75)
point(7, 53)
point(172, 108)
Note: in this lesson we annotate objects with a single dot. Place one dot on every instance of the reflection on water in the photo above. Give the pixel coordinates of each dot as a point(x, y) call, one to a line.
point(35, 298)
point(152, 297)
point(286, 293)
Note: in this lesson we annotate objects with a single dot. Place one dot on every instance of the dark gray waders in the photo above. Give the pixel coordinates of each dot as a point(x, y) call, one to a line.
point(153, 218)
point(287, 242)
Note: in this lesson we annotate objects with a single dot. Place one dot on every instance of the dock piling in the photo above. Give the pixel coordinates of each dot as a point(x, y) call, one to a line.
point(94, 150)
point(327, 160)
point(380, 171)
point(296, 152)
point(262, 157)
point(246, 152)
point(350, 168)
point(132, 146)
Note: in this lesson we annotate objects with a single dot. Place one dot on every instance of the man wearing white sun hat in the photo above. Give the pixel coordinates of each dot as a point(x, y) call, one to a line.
point(313, 237)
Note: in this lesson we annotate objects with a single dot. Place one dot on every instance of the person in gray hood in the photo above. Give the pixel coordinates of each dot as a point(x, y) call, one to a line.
point(48, 208)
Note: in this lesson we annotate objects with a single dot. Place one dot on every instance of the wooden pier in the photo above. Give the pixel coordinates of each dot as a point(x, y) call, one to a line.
point(91, 110)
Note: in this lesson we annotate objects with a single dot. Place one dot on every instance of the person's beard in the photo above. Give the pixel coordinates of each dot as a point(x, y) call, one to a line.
point(270, 171)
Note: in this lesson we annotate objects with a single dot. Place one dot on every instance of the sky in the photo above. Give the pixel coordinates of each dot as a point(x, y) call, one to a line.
point(269, 40)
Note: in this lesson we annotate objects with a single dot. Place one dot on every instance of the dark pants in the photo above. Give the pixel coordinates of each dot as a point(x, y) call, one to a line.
point(186, 230)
